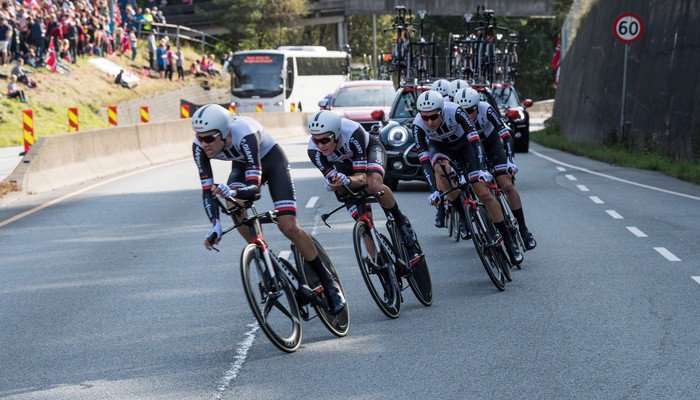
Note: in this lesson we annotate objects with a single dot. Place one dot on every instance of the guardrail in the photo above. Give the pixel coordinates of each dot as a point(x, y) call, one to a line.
point(189, 34)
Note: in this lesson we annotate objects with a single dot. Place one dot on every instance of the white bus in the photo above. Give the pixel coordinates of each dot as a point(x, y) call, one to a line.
point(280, 80)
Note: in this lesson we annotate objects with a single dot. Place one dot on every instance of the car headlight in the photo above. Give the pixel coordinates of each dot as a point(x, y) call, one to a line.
point(398, 136)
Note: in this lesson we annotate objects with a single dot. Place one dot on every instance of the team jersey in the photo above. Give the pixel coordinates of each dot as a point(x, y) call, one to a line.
point(488, 121)
point(352, 149)
point(455, 129)
point(250, 143)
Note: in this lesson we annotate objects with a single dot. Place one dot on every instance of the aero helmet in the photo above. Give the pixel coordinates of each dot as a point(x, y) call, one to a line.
point(323, 122)
point(467, 97)
point(455, 86)
point(440, 86)
point(430, 100)
point(212, 117)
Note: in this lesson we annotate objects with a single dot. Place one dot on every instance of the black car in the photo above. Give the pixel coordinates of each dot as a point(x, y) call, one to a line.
point(515, 115)
point(395, 131)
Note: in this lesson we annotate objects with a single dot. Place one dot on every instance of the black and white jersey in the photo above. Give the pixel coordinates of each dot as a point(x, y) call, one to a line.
point(352, 149)
point(455, 129)
point(488, 121)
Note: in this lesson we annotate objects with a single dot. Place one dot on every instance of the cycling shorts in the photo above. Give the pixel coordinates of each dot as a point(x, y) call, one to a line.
point(275, 172)
point(455, 152)
point(495, 155)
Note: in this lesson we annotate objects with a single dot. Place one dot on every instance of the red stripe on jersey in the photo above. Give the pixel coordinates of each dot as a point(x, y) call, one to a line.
point(208, 187)
point(286, 208)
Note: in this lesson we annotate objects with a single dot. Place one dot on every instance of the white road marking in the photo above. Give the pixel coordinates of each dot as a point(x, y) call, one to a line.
point(613, 177)
point(571, 177)
point(596, 199)
point(242, 352)
point(582, 188)
point(561, 169)
point(636, 231)
point(312, 202)
point(614, 214)
point(696, 278)
point(664, 252)
point(285, 254)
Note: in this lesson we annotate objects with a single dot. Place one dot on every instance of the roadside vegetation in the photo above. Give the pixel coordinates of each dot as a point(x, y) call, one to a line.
point(87, 88)
point(619, 154)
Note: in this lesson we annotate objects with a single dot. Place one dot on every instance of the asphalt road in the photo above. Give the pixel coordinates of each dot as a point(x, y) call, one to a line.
point(110, 294)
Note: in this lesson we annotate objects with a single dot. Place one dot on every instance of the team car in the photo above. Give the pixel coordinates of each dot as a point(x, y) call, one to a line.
point(515, 115)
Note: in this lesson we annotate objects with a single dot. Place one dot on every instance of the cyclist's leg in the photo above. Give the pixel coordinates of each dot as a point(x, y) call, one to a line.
point(236, 179)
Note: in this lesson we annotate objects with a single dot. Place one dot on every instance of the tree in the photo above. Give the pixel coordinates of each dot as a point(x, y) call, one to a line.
point(240, 17)
point(276, 14)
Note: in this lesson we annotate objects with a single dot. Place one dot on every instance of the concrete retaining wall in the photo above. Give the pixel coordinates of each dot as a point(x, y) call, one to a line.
point(63, 160)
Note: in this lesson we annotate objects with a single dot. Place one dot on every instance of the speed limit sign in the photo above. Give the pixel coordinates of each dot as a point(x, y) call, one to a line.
point(628, 27)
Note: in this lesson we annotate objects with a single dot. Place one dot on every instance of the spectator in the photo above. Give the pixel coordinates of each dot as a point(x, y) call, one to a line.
point(147, 20)
point(134, 43)
point(180, 62)
point(32, 60)
point(119, 80)
point(20, 73)
point(72, 35)
point(152, 50)
point(161, 58)
point(211, 67)
point(64, 51)
point(170, 58)
point(227, 64)
point(196, 70)
point(5, 37)
point(13, 90)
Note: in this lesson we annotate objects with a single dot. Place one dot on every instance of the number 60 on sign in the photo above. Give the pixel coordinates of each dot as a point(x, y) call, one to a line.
point(628, 27)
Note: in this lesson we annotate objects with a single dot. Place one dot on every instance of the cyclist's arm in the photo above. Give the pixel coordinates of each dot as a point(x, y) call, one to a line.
point(358, 146)
point(424, 156)
point(207, 178)
point(253, 168)
point(500, 127)
point(473, 137)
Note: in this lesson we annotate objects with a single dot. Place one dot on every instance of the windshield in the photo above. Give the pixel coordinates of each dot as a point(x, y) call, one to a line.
point(505, 97)
point(364, 96)
point(406, 105)
point(257, 75)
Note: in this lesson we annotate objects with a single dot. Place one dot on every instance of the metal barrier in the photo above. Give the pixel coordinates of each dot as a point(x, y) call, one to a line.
point(190, 34)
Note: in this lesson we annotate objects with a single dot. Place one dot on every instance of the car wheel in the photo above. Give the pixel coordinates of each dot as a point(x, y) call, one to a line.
point(522, 145)
point(392, 184)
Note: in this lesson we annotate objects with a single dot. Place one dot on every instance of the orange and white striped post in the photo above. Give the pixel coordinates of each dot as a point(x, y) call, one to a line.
point(184, 111)
point(258, 107)
point(232, 108)
point(144, 114)
point(73, 119)
point(28, 128)
point(112, 115)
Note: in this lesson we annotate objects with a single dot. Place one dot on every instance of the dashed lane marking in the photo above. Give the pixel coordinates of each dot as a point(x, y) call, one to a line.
point(285, 254)
point(312, 202)
point(582, 188)
point(538, 154)
point(571, 177)
point(667, 254)
point(614, 214)
point(696, 278)
point(596, 199)
point(636, 232)
point(235, 367)
point(561, 169)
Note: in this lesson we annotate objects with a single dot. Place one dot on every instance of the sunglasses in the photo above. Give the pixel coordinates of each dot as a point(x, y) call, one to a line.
point(325, 140)
point(470, 109)
point(208, 139)
point(431, 117)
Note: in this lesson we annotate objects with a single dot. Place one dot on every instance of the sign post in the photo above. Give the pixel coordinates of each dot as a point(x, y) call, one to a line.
point(628, 28)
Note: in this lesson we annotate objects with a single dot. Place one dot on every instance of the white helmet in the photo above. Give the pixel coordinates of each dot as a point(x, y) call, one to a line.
point(430, 100)
point(455, 86)
point(467, 97)
point(324, 121)
point(440, 86)
point(212, 117)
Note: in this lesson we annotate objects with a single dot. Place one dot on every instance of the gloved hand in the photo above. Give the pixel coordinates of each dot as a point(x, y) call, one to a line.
point(214, 233)
point(328, 184)
point(434, 198)
point(224, 190)
point(484, 176)
point(341, 177)
point(511, 168)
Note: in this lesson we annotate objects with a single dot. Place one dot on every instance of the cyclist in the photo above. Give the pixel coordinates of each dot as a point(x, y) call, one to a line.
point(441, 86)
point(443, 131)
point(499, 149)
point(348, 156)
point(455, 86)
point(255, 159)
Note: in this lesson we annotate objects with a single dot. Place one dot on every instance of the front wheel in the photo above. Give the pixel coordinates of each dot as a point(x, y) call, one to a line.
point(377, 271)
point(271, 299)
point(336, 324)
point(485, 244)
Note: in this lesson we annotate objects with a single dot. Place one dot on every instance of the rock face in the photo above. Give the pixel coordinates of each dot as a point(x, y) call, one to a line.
point(663, 78)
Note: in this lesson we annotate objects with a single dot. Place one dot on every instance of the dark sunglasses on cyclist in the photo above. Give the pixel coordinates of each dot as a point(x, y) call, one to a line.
point(208, 139)
point(470, 109)
point(430, 117)
point(324, 140)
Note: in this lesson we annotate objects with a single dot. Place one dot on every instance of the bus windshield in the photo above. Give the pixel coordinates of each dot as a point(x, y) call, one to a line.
point(257, 75)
